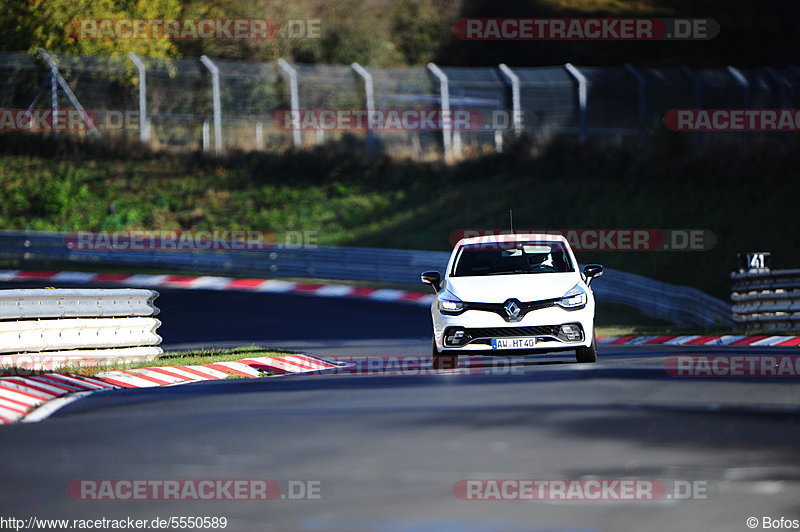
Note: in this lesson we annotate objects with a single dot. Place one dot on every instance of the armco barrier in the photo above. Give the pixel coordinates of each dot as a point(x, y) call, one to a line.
point(681, 305)
point(69, 325)
point(77, 333)
point(76, 303)
point(676, 304)
point(766, 300)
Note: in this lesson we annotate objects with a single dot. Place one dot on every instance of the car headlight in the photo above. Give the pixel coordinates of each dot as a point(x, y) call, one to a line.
point(574, 298)
point(450, 304)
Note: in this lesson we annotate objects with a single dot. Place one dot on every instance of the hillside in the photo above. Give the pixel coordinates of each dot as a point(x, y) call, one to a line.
point(413, 32)
point(356, 201)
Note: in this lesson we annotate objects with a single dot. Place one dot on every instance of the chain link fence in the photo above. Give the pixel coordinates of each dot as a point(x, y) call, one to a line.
point(203, 104)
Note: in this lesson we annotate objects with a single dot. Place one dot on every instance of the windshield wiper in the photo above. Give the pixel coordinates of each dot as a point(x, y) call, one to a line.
point(507, 272)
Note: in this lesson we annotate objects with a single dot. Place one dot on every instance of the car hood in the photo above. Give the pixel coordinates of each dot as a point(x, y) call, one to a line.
point(524, 287)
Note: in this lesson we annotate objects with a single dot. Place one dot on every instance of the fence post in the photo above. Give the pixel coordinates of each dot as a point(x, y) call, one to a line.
point(144, 122)
point(369, 93)
point(53, 95)
point(642, 94)
point(259, 135)
point(206, 135)
point(294, 100)
point(55, 78)
point(582, 99)
point(447, 124)
point(212, 68)
point(516, 107)
point(741, 80)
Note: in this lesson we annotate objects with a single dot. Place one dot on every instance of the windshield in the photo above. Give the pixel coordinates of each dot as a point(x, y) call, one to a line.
point(503, 258)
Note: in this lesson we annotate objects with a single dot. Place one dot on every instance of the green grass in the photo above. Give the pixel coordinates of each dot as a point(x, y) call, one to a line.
point(188, 358)
point(736, 190)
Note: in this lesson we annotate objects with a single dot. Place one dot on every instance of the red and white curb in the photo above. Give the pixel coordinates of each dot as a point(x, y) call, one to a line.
point(21, 395)
point(720, 340)
point(205, 282)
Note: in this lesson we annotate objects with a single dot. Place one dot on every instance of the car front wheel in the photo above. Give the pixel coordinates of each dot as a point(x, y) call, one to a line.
point(587, 354)
point(443, 361)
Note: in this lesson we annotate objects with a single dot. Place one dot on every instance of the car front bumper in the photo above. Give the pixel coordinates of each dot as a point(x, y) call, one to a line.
point(544, 325)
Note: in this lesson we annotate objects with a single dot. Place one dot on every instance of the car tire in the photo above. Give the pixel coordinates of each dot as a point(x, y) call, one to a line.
point(587, 355)
point(440, 361)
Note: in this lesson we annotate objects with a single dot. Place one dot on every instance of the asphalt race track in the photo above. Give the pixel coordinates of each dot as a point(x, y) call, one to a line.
point(387, 440)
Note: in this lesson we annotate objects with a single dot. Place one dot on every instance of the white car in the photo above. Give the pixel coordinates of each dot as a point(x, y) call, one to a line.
point(512, 294)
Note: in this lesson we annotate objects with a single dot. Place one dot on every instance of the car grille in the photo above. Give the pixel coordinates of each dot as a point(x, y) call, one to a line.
point(524, 305)
point(498, 308)
point(500, 332)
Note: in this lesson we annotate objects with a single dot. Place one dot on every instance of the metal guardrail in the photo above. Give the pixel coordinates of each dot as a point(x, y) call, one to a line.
point(76, 303)
point(681, 305)
point(79, 333)
point(47, 328)
point(676, 304)
point(766, 300)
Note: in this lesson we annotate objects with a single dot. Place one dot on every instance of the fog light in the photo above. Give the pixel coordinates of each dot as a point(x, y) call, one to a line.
point(455, 338)
point(571, 332)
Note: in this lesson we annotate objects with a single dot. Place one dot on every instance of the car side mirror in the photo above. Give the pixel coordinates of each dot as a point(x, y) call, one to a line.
point(432, 278)
point(591, 271)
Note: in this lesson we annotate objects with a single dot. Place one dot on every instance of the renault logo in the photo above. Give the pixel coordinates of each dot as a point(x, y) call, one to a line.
point(512, 309)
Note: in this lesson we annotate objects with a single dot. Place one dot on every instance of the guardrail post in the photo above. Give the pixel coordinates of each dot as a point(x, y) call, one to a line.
point(582, 99)
point(741, 80)
point(698, 97)
point(369, 94)
point(785, 100)
point(212, 68)
point(294, 99)
point(516, 106)
point(144, 121)
point(642, 94)
point(447, 122)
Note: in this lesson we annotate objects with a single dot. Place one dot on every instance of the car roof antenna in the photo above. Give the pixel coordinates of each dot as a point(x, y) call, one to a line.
point(511, 219)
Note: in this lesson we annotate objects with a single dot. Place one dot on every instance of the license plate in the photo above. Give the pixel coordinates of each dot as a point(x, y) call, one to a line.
point(513, 343)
